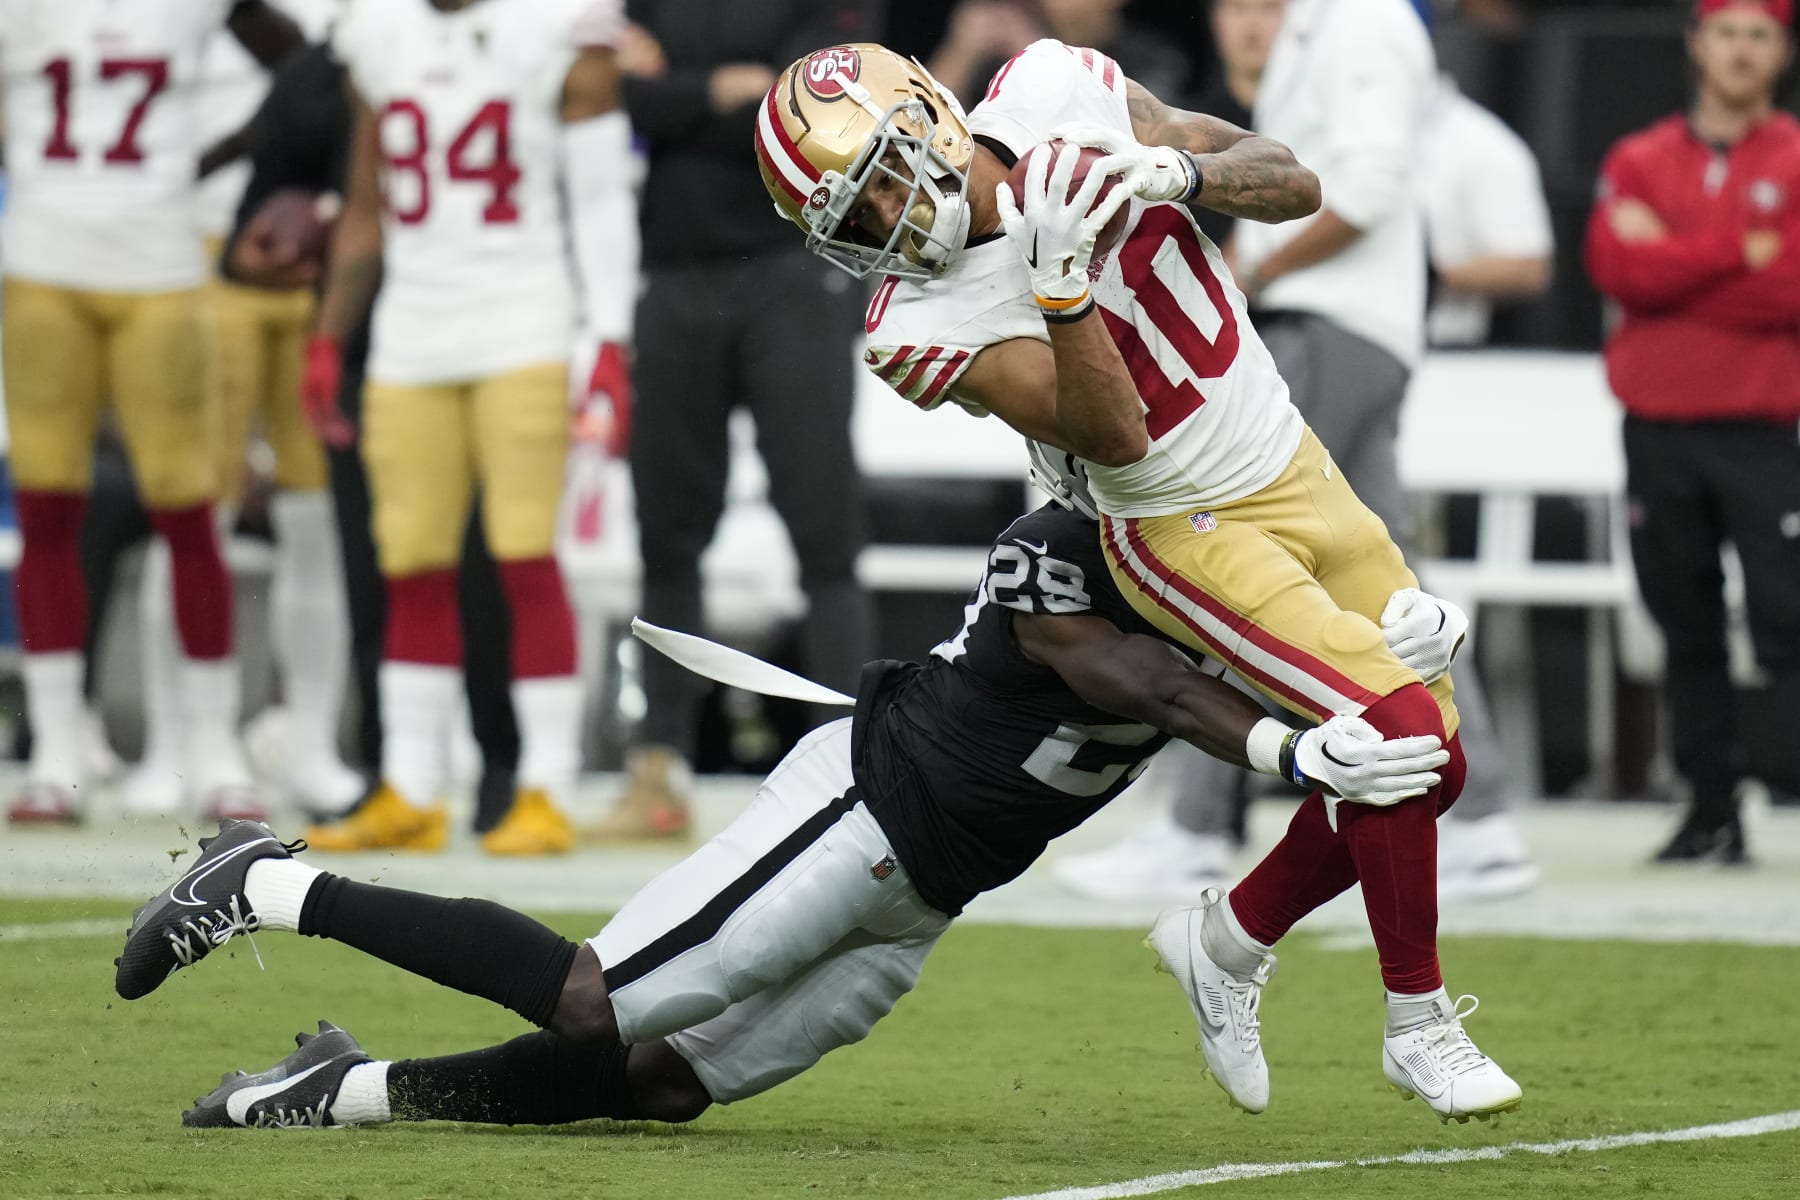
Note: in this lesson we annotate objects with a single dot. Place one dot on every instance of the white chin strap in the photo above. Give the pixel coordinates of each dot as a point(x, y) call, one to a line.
point(949, 226)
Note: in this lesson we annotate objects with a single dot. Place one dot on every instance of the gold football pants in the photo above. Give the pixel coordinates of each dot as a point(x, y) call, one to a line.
point(256, 346)
point(427, 447)
point(1286, 586)
point(68, 352)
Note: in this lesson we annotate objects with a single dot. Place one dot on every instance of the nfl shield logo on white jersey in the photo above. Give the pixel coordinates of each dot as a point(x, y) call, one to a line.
point(1202, 522)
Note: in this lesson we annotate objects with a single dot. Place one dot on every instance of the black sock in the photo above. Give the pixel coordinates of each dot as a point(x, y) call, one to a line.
point(474, 946)
point(535, 1079)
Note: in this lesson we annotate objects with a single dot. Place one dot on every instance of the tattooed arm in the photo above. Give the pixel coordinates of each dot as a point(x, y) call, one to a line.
point(1244, 175)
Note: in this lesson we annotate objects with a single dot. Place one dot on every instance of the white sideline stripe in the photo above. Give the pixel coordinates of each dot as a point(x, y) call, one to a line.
point(50, 930)
point(1233, 1172)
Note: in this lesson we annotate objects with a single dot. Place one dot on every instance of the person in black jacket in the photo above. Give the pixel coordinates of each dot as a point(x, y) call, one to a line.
point(298, 142)
point(710, 337)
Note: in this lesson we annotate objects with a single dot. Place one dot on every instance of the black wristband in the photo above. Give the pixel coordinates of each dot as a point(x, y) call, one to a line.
point(1068, 316)
point(1199, 178)
point(1286, 762)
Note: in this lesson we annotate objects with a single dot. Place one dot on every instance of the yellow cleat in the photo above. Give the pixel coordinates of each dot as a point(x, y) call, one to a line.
point(385, 821)
point(655, 803)
point(531, 826)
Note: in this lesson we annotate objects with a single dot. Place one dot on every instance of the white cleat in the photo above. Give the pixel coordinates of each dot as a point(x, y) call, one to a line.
point(1439, 1064)
point(1224, 1004)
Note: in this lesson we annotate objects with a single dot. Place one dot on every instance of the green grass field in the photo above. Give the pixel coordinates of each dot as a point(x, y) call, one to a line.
point(1028, 1059)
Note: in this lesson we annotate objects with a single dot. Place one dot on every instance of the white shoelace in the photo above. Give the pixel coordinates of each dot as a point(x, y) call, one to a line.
point(197, 936)
point(1244, 998)
point(295, 1118)
point(1450, 1045)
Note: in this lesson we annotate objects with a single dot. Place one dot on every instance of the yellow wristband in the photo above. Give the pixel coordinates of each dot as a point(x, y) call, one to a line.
point(1055, 305)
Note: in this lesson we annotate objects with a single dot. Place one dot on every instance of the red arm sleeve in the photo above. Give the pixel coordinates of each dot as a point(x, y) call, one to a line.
point(1657, 274)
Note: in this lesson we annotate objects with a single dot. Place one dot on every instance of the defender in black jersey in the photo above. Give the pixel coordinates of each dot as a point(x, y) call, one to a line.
point(797, 928)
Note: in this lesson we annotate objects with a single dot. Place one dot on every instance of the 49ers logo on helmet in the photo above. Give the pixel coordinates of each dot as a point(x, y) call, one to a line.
point(822, 71)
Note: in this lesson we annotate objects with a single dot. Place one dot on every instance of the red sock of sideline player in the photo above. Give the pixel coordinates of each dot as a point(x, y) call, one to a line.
point(51, 592)
point(543, 624)
point(202, 585)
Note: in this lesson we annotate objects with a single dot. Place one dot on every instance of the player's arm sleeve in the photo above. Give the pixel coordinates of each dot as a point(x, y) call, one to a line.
point(1374, 92)
point(1142, 678)
point(596, 155)
point(1652, 275)
point(923, 374)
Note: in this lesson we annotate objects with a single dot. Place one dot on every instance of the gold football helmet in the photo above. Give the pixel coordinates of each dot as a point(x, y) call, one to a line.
point(834, 120)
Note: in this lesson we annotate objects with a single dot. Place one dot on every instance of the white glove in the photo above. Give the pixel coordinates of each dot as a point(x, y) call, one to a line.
point(1153, 173)
point(1423, 631)
point(1057, 235)
point(1347, 756)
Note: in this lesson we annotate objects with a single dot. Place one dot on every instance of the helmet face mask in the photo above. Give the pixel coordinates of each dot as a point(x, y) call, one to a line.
point(848, 120)
point(934, 222)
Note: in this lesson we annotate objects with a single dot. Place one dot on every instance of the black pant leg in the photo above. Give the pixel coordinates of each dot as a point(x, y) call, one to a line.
point(115, 521)
point(1755, 468)
point(1677, 525)
point(799, 373)
point(363, 589)
point(487, 672)
point(683, 380)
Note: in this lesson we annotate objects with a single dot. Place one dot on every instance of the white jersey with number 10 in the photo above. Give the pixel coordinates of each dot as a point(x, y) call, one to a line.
point(476, 275)
point(1220, 423)
point(102, 141)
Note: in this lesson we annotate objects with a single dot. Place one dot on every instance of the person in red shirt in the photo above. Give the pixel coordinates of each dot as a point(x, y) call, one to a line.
point(1695, 238)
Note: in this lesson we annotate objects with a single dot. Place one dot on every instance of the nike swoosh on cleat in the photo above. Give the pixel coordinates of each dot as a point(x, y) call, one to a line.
point(191, 878)
point(238, 1103)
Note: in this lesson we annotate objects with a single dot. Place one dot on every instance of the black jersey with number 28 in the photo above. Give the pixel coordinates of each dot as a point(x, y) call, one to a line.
point(975, 760)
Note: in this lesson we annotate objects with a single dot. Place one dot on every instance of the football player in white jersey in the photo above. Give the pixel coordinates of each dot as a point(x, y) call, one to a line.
point(1224, 521)
point(472, 121)
point(104, 264)
point(254, 338)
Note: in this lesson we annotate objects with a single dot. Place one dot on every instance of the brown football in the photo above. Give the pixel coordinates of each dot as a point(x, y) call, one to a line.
point(295, 224)
point(1114, 229)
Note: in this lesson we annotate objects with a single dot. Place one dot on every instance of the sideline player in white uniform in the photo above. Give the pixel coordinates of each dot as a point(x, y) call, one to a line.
point(468, 117)
point(254, 338)
point(1224, 520)
point(796, 929)
point(104, 264)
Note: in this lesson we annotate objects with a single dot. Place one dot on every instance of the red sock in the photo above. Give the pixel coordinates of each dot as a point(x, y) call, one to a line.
point(424, 624)
point(202, 584)
point(1306, 868)
point(543, 624)
point(1395, 851)
point(1311, 864)
point(51, 591)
